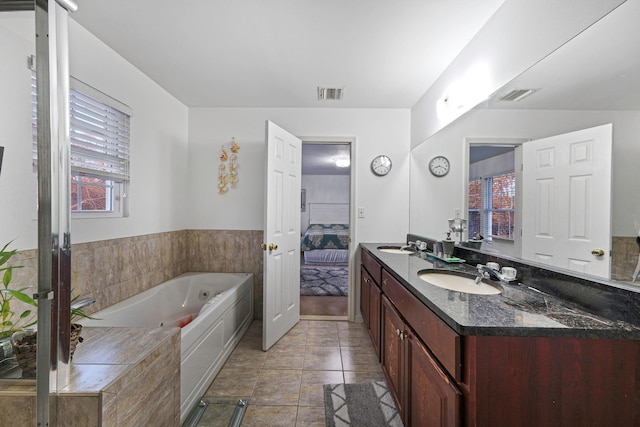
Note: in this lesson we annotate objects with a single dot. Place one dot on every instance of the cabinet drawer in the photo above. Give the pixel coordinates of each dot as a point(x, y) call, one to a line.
point(371, 265)
point(443, 341)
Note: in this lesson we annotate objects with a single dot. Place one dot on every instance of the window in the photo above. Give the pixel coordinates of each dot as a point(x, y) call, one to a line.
point(492, 206)
point(99, 157)
point(99, 154)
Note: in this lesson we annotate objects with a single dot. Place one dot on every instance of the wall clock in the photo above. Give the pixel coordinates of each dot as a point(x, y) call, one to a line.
point(381, 165)
point(439, 166)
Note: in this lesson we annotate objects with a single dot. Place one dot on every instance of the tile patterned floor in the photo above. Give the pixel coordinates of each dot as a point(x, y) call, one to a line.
point(284, 384)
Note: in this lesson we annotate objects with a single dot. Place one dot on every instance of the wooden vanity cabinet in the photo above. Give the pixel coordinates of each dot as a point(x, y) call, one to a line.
point(433, 398)
point(370, 294)
point(365, 286)
point(439, 378)
point(424, 392)
point(394, 354)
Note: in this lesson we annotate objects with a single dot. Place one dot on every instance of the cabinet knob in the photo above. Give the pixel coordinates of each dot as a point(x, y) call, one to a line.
point(398, 332)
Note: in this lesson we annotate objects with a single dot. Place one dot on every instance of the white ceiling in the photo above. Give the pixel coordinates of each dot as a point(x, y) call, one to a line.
point(320, 159)
point(597, 70)
point(258, 53)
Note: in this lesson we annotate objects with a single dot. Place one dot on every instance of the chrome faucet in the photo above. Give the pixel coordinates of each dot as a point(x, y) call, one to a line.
point(409, 245)
point(484, 270)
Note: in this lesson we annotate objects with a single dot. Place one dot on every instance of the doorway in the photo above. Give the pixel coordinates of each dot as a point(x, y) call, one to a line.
point(325, 230)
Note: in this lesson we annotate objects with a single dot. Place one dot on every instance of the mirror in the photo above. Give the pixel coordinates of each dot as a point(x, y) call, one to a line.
point(592, 80)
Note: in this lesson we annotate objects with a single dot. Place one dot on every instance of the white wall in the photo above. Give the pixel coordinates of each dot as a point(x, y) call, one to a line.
point(375, 131)
point(539, 27)
point(324, 189)
point(432, 204)
point(17, 182)
point(159, 141)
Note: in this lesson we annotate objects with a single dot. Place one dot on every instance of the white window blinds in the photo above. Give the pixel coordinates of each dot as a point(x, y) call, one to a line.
point(99, 139)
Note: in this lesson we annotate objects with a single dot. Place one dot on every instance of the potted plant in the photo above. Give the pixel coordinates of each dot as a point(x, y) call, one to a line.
point(25, 342)
point(77, 312)
point(12, 321)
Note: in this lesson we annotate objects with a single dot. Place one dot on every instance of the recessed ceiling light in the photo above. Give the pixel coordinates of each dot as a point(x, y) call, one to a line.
point(343, 162)
point(330, 93)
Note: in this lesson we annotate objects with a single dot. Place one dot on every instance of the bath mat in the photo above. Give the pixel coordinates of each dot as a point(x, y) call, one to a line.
point(360, 405)
point(324, 280)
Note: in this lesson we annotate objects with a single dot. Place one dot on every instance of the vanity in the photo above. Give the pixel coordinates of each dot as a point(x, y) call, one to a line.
point(523, 357)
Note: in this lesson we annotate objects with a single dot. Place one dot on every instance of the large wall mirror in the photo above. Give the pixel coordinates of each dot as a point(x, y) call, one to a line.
point(593, 80)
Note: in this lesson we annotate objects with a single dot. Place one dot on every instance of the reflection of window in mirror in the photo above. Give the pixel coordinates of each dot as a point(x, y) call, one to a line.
point(492, 192)
point(492, 206)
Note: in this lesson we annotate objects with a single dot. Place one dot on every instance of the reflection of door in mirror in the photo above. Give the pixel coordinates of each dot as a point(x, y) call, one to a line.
point(566, 215)
point(493, 205)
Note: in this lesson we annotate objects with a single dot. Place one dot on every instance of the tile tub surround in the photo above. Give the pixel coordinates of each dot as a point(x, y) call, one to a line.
point(615, 301)
point(113, 270)
point(119, 376)
point(624, 257)
point(228, 251)
point(517, 312)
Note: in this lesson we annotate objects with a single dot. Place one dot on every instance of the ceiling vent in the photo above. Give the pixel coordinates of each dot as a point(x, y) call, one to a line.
point(330, 93)
point(517, 95)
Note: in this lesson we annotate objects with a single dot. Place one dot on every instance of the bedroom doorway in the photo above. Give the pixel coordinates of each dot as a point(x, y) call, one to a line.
point(325, 232)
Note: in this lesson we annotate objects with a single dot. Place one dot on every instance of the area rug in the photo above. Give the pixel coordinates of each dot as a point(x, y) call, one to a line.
point(360, 405)
point(324, 280)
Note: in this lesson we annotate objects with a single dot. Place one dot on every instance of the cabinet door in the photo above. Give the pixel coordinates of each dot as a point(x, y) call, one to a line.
point(375, 301)
point(434, 399)
point(365, 284)
point(392, 351)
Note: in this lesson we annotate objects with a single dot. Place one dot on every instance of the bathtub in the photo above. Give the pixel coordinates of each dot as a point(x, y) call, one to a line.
point(213, 311)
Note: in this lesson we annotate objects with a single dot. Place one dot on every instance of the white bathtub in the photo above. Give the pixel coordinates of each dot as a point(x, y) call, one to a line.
point(213, 310)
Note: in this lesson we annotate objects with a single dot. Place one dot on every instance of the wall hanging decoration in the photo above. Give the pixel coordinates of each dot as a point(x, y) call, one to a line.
point(228, 176)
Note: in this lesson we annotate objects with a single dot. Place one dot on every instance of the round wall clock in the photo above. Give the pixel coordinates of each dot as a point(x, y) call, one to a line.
point(381, 165)
point(439, 166)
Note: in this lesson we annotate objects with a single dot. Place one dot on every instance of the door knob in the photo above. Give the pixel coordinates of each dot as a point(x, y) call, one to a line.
point(597, 252)
point(263, 246)
point(273, 246)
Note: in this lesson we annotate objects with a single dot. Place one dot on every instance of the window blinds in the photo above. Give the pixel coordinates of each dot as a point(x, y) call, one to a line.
point(99, 135)
point(99, 139)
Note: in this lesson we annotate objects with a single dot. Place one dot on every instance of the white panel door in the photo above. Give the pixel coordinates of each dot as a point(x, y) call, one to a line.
point(566, 218)
point(281, 245)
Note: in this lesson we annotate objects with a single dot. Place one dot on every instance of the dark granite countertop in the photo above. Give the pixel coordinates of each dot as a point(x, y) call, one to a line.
point(520, 310)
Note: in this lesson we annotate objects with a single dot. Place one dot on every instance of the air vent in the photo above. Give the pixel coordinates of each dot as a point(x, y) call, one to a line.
point(329, 93)
point(517, 95)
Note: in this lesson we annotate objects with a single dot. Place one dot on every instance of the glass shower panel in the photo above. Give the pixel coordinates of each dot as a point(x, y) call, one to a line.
point(34, 212)
point(17, 179)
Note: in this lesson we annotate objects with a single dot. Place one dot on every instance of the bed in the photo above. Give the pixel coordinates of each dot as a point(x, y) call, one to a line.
point(326, 240)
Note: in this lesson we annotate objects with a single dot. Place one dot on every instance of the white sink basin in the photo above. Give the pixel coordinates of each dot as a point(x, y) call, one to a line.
point(396, 250)
point(459, 283)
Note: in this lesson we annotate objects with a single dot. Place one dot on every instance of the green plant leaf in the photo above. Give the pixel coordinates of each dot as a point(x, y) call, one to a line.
point(6, 309)
point(22, 297)
point(25, 313)
point(6, 277)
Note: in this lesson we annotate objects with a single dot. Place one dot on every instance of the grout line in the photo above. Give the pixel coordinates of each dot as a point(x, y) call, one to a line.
point(321, 317)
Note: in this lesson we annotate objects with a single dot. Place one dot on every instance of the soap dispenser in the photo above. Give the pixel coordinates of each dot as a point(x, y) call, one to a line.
point(447, 246)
